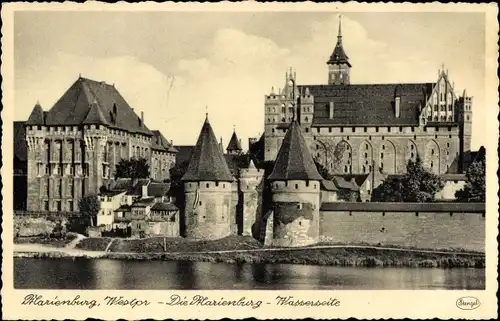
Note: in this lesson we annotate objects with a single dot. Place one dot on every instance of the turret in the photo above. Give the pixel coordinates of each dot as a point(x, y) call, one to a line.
point(234, 146)
point(464, 117)
point(208, 190)
point(295, 186)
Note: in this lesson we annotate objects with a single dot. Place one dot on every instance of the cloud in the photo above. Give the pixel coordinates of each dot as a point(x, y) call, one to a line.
point(229, 79)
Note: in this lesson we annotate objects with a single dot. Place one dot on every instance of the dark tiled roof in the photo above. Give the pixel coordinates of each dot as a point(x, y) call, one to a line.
point(234, 143)
point(342, 183)
point(111, 193)
point(161, 143)
point(207, 162)
point(136, 189)
point(294, 160)
point(328, 185)
point(405, 207)
point(143, 202)
point(359, 179)
point(164, 207)
point(37, 116)
point(184, 153)
point(235, 162)
point(156, 189)
point(123, 208)
point(338, 55)
point(368, 104)
point(121, 184)
point(95, 116)
point(20, 146)
point(74, 105)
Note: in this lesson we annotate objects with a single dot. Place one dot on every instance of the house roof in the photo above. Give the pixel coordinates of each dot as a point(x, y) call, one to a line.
point(359, 179)
point(157, 189)
point(294, 160)
point(121, 184)
point(328, 185)
point(164, 207)
point(143, 202)
point(342, 183)
point(136, 188)
point(76, 104)
point(123, 208)
point(159, 142)
point(207, 162)
point(37, 116)
point(20, 146)
point(234, 143)
point(368, 104)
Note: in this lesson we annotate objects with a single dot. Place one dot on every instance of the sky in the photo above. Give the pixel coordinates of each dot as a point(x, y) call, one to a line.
point(176, 66)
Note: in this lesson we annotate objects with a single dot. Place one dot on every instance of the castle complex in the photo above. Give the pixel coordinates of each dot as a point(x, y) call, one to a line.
point(358, 128)
point(74, 147)
point(351, 129)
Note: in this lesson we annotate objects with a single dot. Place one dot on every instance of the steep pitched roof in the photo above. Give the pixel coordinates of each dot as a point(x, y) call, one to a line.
point(75, 104)
point(339, 56)
point(37, 116)
point(159, 142)
point(184, 153)
point(20, 146)
point(207, 162)
point(368, 104)
point(95, 116)
point(157, 189)
point(234, 143)
point(294, 160)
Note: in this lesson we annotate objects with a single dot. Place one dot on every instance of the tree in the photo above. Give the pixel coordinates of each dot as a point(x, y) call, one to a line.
point(475, 187)
point(176, 185)
point(323, 171)
point(132, 168)
point(416, 185)
point(89, 206)
point(330, 155)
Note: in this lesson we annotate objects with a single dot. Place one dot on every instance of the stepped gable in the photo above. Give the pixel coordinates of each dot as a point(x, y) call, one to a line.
point(95, 116)
point(234, 143)
point(368, 104)
point(159, 142)
point(207, 162)
point(75, 104)
point(37, 116)
point(294, 160)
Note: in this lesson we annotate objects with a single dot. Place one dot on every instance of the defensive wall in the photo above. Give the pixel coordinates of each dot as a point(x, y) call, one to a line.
point(419, 225)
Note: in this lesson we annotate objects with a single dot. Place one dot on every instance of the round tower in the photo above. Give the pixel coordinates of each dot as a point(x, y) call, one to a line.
point(295, 185)
point(208, 190)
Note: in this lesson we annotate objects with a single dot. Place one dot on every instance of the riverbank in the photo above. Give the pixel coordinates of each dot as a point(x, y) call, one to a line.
point(250, 251)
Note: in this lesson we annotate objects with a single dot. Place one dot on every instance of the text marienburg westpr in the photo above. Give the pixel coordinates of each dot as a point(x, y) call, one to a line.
point(176, 300)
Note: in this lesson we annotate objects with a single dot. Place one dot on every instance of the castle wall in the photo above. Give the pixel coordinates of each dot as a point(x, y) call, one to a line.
point(432, 230)
point(207, 210)
point(296, 213)
point(251, 198)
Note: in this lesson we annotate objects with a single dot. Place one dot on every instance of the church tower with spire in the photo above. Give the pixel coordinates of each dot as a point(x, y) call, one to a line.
point(338, 65)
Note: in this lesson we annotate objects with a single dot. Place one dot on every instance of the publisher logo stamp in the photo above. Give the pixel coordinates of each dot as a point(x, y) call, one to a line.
point(468, 303)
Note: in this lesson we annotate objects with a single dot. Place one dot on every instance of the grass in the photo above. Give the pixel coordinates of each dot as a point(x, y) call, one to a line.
point(56, 242)
point(94, 243)
point(161, 244)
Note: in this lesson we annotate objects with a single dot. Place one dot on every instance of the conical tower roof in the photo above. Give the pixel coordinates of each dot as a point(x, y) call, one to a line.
point(339, 56)
point(207, 162)
point(234, 143)
point(294, 161)
point(95, 115)
point(36, 116)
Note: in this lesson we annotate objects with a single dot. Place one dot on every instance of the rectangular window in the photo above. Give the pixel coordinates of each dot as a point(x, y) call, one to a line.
point(341, 129)
point(58, 206)
point(354, 129)
point(70, 206)
point(376, 129)
point(388, 129)
point(365, 129)
point(46, 205)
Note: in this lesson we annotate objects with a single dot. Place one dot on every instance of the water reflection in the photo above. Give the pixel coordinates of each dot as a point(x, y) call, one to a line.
point(115, 274)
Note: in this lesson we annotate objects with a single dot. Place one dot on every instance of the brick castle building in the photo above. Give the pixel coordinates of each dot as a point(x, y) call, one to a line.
point(362, 128)
point(74, 147)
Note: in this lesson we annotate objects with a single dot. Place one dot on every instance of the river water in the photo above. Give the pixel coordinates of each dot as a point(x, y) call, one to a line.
point(121, 274)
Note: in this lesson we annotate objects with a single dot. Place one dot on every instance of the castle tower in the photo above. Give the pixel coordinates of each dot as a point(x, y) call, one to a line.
point(338, 65)
point(464, 115)
point(37, 164)
point(279, 110)
point(208, 190)
point(250, 180)
point(295, 185)
point(234, 146)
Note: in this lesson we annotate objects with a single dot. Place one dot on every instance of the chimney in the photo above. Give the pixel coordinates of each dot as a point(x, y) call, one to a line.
point(144, 191)
point(331, 110)
point(221, 146)
point(396, 106)
point(142, 119)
